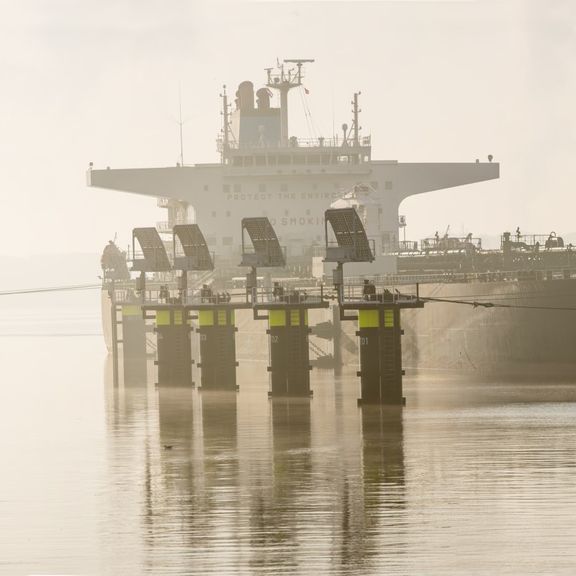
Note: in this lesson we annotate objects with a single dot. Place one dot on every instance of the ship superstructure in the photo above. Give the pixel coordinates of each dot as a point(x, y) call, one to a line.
point(263, 171)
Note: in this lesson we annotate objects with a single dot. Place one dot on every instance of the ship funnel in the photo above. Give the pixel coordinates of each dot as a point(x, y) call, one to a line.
point(245, 96)
point(263, 99)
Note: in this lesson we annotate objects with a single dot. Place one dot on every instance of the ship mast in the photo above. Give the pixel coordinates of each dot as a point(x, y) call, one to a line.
point(226, 123)
point(180, 123)
point(283, 81)
point(355, 113)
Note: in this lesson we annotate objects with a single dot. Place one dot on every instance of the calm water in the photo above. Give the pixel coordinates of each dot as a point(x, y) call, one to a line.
point(471, 478)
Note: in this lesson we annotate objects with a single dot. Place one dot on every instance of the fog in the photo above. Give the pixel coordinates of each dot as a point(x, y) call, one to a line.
point(438, 442)
point(441, 81)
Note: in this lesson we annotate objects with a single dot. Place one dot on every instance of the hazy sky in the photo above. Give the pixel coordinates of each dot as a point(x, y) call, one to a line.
point(98, 81)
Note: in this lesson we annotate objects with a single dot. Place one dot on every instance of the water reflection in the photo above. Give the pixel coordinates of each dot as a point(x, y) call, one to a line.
point(217, 482)
point(277, 523)
point(135, 371)
point(383, 470)
point(125, 403)
point(473, 478)
point(223, 510)
point(383, 454)
point(175, 418)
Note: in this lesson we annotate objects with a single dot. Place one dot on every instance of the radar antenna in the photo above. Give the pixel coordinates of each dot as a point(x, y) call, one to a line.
point(284, 80)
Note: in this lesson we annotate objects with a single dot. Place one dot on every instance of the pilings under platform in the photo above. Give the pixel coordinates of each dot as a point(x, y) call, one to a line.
point(289, 347)
point(380, 356)
point(174, 350)
point(380, 338)
point(133, 345)
point(217, 330)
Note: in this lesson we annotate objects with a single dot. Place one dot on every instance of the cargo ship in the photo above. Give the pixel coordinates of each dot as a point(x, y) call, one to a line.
point(263, 170)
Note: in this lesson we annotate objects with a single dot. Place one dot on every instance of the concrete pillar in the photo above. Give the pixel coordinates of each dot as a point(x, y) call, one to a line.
point(380, 356)
point(289, 352)
point(133, 345)
point(174, 349)
point(217, 349)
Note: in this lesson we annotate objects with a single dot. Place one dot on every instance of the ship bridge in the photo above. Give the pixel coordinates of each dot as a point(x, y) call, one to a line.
point(313, 152)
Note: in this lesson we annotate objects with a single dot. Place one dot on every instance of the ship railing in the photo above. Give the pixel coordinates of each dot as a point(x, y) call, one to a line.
point(204, 297)
point(560, 273)
point(334, 142)
point(407, 246)
point(289, 295)
point(164, 227)
point(162, 294)
point(127, 291)
point(448, 277)
point(441, 244)
point(379, 291)
point(532, 241)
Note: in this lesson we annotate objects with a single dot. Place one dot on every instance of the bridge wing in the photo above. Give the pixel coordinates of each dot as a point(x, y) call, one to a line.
point(169, 182)
point(410, 179)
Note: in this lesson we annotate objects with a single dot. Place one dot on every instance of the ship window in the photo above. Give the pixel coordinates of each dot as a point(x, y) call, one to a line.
point(314, 186)
point(227, 241)
point(388, 185)
point(284, 159)
point(307, 212)
point(286, 212)
point(374, 184)
point(262, 187)
point(314, 159)
point(248, 160)
point(205, 187)
point(213, 214)
point(226, 188)
point(237, 188)
point(272, 160)
point(325, 158)
point(343, 159)
point(260, 160)
point(211, 240)
point(237, 161)
point(228, 213)
point(283, 187)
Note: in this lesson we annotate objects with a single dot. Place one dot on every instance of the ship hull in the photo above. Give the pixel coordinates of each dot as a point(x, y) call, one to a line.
point(533, 334)
point(106, 311)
